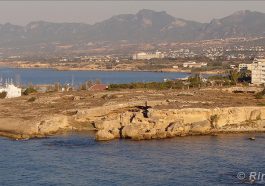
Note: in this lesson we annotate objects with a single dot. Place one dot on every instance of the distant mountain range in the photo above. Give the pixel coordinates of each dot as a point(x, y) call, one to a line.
point(144, 26)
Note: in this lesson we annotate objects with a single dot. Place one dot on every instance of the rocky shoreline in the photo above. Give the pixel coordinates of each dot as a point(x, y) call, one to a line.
point(139, 124)
point(131, 115)
point(181, 122)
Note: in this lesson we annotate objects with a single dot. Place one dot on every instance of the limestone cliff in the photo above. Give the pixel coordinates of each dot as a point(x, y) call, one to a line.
point(180, 122)
point(139, 114)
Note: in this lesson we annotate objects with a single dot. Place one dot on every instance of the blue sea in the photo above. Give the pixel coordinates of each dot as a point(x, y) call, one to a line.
point(49, 76)
point(77, 159)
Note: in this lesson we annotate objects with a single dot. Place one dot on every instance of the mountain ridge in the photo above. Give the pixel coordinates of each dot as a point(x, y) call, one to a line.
point(144, 26)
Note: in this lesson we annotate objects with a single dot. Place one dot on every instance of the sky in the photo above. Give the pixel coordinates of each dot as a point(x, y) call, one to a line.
point(23, 12)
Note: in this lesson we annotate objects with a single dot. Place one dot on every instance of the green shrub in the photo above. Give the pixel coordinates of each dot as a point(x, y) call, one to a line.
point(260, 95)
point(32, 99)
point(261, 104)
point(149, 85)
point(29, 90)
point(3, 95)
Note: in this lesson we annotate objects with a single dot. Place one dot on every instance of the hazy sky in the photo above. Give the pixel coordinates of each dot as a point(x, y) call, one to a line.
point(22, 12)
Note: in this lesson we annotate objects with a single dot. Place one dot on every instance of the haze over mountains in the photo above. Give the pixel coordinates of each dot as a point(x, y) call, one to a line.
point(144, 26)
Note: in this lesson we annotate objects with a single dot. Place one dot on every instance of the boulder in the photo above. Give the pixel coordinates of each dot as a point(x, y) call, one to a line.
point(130, 131)
point(107, 125)
point(115, 132)
point(104, 135)
point(176, 129)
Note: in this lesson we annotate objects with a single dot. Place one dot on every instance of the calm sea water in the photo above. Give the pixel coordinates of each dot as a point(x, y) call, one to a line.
point(76, 159)
point(48, 76)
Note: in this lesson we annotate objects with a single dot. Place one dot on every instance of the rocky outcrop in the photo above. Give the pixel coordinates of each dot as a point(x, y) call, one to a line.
point(23, 128)
point(103, 135)
point(136, 120)
point(134, 124)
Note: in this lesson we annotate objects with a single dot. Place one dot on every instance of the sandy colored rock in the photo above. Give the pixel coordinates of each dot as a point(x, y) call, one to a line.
point(255, 115)
point(130, 131)
point(123, 116)
point(116, 132)
point(200, 127)
point(52, 124)
point(104, 135)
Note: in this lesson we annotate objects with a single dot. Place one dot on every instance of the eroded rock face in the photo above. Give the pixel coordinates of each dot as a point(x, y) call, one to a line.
point(255, 115)
point(104, 135)
point(201, 127)
point(52, 124)
point(129, 120)
point(22, 128)
point(130, 131)
point(180, 122)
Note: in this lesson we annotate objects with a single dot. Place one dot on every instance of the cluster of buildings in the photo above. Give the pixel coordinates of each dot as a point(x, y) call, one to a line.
point(172, 54)
point(235, 52)
point(213, 53)
point(147, 56)
point(107, 58)
point(181, 53)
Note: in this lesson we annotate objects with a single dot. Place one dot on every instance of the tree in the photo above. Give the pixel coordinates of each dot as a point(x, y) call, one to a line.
point(29, 90)
point(234, 76)
point(195, 81)
point(245, 76)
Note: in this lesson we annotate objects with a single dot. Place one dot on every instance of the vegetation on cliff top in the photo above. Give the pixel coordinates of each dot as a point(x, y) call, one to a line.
point(195, 81)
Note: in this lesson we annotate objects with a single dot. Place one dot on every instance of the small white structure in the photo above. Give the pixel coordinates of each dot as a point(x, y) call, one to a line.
point(193, 64)
point(232, 66)
point(11, 90)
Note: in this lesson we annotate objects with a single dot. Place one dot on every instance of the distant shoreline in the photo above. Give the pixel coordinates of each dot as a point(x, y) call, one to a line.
point(113, 70)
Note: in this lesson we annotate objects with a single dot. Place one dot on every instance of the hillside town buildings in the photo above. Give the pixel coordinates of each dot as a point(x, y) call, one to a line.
point(147, 56)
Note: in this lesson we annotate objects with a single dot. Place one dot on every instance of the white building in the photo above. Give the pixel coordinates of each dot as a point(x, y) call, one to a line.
point(232, 66)
point(244, 67)
point(11, 90)
point(193, 64)
point(143, 55)
point(258, 71)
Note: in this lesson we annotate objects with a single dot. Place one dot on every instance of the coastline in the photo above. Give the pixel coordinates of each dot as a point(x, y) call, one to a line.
point(124, 114)
point(59, 68)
